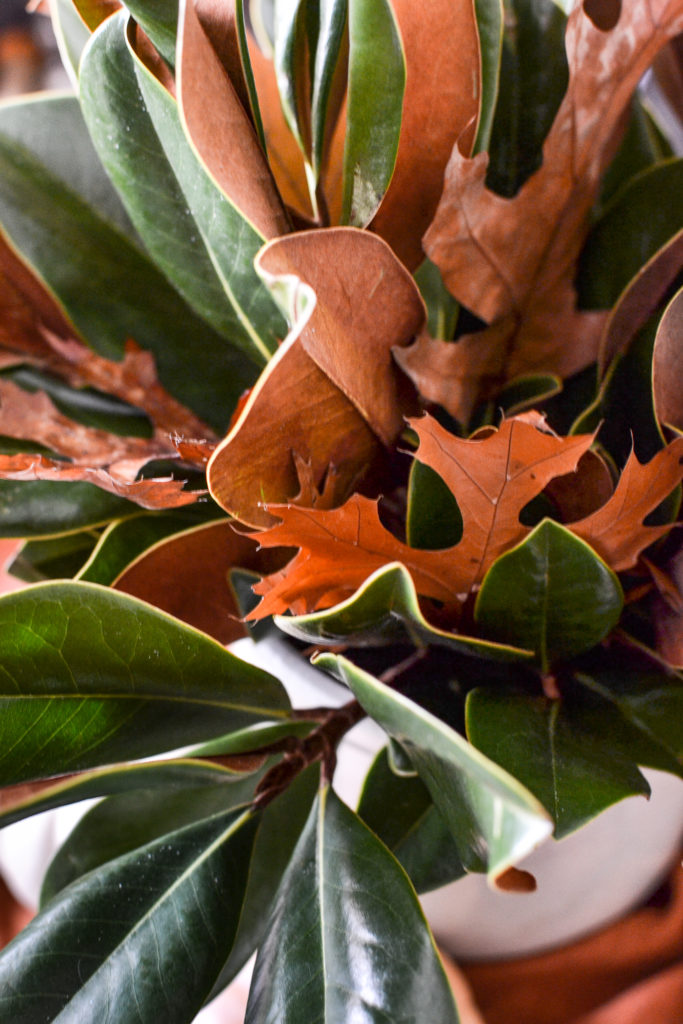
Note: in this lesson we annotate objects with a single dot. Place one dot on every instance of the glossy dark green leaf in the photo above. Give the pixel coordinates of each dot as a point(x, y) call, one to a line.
point(551, 594)
point(442, 308)
point(107, 287)
point(375, 99)
point(254, 737)
point(290, 60)
point(527, 392)
point(533, 81)
point(493, 819)
point(54, 558)
point(578, 755)
point(329, 76)
point(640, 219)
point(642, 146)
point(414, 831)
point(195, 235)
point(157, 804)
point(433, 519)
point(490, 24)
point(648, 693)
point(386, 610)
point(146, 935)
point(347, 939)
point(159, 19)
point(36, 508)
point(125, 539)
point(166, 775)
point(89, 676)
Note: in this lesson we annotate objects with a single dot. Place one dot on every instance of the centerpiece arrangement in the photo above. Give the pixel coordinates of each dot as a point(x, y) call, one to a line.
point(359, 321)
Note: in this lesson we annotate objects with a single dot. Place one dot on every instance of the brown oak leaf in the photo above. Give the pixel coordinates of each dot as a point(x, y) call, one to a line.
point(512, 262)
point(492, 478)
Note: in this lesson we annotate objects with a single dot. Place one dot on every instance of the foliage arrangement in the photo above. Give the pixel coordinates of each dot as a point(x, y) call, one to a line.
point(359, 320)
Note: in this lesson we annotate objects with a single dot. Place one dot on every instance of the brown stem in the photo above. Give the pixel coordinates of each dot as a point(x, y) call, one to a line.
point(319, 745)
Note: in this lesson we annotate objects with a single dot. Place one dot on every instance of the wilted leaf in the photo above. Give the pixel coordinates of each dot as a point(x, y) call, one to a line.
point(667, 364)
point(441, 100)
point(512, 261)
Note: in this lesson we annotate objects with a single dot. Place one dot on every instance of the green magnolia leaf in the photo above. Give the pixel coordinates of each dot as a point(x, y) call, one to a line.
point(647, 692)
point(490, 15)
point(386, 610)
point(533, 80)
point(375, 100)
point(195, 235)
point(551, 594)
point(639, 220)
point(89, 676)
point(125, 539)
point(642, 146)
point(290, 59)
point(527, 392)
point(159, 19)
point(433, 519)
point(254, 737)
point(442, 308)
point(152, 776)
point(347, 939)
point(147, 934)
point(53, 558)
point(493, 819)
point(415, 832)
point(71, 34)
point(36, 508)
point(107, 287)
point(329, 76)
point(574, 754)
point(129, 820)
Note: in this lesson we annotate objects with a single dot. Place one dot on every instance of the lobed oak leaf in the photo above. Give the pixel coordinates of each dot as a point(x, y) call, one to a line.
point(616, 530)
point(513, 261)
point(492, 478)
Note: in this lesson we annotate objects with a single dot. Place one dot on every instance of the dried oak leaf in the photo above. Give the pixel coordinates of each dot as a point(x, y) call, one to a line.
point(512, 261)
point(492, 478)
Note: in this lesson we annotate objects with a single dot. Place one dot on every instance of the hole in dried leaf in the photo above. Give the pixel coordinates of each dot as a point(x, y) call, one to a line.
point(603, 13)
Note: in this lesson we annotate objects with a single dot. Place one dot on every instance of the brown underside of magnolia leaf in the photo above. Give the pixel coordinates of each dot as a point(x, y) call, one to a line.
point(94, 12)
point(218, 18)
point(667, 365)
point(222, 131)
point(442, 97)
point(366, 304)
point(293, 409)
point(187, 576)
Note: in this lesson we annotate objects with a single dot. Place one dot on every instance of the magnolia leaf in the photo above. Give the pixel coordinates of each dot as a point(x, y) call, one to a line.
point(415, 832)
point(566, 752)
point(94, 12)
point(125, 539)
point(490, 19)
point(617, 531)
point(514, 271)
point(385, 609)
point(25, 799)
point(361, 303)
point(93, 677)
point(668, 363)
point(54, 557)
point(377, 74)
point(45, 509)
point(159, 19)
point(71, 35)
point(350, 302)
point(551, 594)
point(228, 147)
point(180, 892)
point(291, 60)
point(125, 821)
point(312, 965)
point(494, 821)
point(136, 129)
point(451, 91)
point(187, 575)
point(330, 70)
point(642, 218)
point(640, 299)
point(433, 518)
